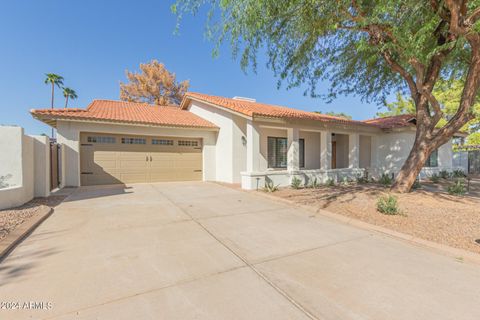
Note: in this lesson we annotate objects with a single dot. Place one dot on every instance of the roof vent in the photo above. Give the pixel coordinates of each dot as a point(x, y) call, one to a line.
point(245, 99)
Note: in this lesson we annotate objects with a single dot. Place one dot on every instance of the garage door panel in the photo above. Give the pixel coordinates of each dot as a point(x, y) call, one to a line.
point(108, 161)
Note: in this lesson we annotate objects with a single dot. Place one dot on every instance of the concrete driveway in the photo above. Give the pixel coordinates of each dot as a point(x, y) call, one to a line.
point(205, 251)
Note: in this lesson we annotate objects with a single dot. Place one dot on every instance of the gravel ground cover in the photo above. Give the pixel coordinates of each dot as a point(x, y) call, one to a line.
point(430, 215)
point(12, 218)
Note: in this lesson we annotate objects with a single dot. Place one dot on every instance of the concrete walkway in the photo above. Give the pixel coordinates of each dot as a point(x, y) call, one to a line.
point(204, 251)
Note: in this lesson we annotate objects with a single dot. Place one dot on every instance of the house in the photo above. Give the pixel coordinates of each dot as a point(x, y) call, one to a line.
point(233, 140)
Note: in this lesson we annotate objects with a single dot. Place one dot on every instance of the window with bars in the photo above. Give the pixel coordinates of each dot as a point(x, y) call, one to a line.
point(277, 152)
point(432, 161)
point(162, 142)
point(100, 139)
point(134, 141)
point(188, 143)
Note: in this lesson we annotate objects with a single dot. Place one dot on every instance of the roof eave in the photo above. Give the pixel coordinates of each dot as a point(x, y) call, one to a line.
point(52, 121)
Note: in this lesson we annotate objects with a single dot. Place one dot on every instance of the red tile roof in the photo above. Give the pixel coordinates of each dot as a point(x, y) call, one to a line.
point(400, 121)
point(125, 112)
point(253, 109)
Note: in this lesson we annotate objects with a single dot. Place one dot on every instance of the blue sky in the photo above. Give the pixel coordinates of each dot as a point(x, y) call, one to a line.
point(91, 43)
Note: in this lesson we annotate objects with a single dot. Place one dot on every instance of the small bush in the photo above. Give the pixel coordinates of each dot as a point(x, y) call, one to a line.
point(314, 183)
point(388, 205)
point(444, 174)
point(435, 178)
point(330, 183)
point(361, 179)
point(458, 188)
point(345, 181)
point(458, 173)
point(385, 179)
point(270, 187)
point(296, 183)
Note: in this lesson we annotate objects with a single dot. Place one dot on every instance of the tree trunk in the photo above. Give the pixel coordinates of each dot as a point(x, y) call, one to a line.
point(421, 150)
point(53, 92)
point(66, 102)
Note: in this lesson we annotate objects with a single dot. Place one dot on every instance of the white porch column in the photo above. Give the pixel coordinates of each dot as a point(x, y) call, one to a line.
point(374, 152)
point(354, 150)
point(293, 154)
point(325, 150)
point(253, 147)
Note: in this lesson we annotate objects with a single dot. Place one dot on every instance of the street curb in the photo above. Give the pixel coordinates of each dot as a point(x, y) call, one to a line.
point(458, 254)
point(18, 234)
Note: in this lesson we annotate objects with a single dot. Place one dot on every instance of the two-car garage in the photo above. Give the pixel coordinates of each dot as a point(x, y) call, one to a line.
point(114, 158)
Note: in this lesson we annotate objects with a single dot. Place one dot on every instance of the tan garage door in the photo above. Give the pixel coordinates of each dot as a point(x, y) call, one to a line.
point(112, 159)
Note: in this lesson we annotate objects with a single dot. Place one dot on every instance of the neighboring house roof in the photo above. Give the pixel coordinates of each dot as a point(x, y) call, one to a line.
point(256, 109)
point(400, 121)
point(125, 112)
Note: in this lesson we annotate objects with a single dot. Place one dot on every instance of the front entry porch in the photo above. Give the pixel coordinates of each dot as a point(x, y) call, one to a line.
point(277, 154)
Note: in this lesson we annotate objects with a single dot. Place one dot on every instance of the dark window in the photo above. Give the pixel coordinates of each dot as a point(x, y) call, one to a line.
point(134, 141)
point(101, 139)
point(187, 143)
point(432, 161)
point(163, 142)
point(277, 152)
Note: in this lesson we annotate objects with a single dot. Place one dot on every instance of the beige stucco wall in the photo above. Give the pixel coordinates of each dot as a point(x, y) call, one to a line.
point(231, 152)
point(41, 148)
point(25, 164)
point(365, 151)
point(68, 135)
point(342, 150)
point(393, 149)
point(312, 149)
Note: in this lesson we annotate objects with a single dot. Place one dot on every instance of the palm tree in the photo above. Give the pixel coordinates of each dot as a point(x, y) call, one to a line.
point(69, 93)
point(54, 80)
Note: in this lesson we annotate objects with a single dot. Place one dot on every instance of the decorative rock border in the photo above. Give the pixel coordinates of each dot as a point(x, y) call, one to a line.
point(17, 235)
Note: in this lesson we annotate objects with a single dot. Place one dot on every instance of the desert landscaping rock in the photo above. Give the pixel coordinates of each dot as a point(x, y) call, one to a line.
point(12, 218)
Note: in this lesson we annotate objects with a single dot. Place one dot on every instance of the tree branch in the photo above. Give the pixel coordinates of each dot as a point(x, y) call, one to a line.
point(474, 16)
point(395, 66)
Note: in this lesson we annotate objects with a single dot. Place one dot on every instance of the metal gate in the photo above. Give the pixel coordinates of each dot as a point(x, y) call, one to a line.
point(474, 161)
point(54, 165)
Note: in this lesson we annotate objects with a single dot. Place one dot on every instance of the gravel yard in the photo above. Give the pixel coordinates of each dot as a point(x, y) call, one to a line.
point(434, 216)
point(12, 218)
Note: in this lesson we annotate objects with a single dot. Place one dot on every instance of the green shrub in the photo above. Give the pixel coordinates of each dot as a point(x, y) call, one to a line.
point(314, 184)
point(458, 188)
point(270, 187)
point(386, 179)
point(458, 173)
point(330, 183)
point(388, 205)
point(296, 183)
point(345, 181)
point(444, 174)
point(362, 179)
point(435, 178)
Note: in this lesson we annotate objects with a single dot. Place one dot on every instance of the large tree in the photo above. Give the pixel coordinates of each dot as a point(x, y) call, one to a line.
point(368, 48)
point(154, 85)
point(53, 80)
point(448, 95)
point(69, 93)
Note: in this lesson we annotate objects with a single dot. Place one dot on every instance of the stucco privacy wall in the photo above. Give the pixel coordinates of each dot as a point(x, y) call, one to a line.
point(68, 136)
point(24, 159)
point(231, 151)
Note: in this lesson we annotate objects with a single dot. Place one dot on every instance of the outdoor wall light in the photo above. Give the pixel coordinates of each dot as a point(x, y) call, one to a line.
point(244, 140)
